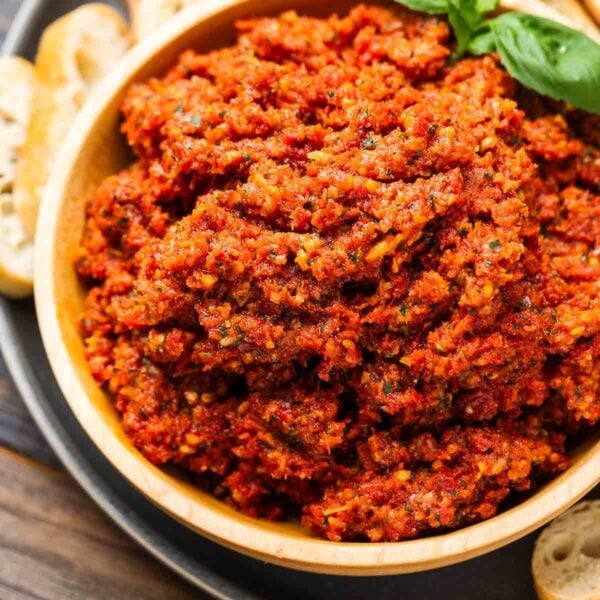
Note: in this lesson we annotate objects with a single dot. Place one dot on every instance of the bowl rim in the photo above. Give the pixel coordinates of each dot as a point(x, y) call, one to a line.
point(250, 536)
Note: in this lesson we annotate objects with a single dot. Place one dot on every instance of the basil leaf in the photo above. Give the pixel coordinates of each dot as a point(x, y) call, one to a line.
point(550, 58)
point(465, 16)
point(461, 29)
point(465, 20)
point(469, 10)
point(439, 7)
point(483, 41)
point(431, 7)
point(486, 6)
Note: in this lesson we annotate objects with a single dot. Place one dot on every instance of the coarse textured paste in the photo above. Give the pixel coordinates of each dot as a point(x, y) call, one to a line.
point(348, 279)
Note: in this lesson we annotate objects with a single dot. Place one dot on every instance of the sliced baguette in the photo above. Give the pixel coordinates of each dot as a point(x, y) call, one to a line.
point(16, 245)
point(577, 15)
point(566, 559)
point(74, 55)
point(148, 15)
point(567, 12)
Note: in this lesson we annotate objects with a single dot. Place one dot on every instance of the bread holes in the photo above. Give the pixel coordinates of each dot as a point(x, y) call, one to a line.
point(563, 550)
point(547, 561)
point(7, 118)
point(591, 546)
point(16, 245)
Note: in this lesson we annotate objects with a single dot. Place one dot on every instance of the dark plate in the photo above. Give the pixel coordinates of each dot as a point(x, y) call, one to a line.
point(503, 574)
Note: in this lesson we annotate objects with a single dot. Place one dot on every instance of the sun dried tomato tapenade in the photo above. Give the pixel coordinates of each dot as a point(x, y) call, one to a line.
point(347, 279)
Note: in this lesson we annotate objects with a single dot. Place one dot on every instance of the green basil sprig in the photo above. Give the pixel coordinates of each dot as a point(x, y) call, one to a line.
point(551, 59)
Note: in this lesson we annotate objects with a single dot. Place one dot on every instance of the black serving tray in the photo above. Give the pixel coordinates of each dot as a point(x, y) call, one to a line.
point(503, 574)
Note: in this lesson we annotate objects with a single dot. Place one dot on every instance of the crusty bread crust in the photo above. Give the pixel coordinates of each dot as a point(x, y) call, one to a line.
point(578, 15)
point(16, 246)
point(567, 12)
point(148, 15)
point(74, 55)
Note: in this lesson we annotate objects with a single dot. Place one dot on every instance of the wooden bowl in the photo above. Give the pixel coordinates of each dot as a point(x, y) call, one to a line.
point(96, 149)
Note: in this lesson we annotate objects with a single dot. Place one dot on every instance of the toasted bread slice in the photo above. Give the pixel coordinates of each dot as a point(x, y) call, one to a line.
point(74, 55)
point(566, 559)
point(148, 15)
point(567, 12)
point(16, 245)
point(577, 15)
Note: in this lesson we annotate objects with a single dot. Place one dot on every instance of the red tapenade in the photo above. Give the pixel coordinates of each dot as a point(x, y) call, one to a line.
point(347, 279)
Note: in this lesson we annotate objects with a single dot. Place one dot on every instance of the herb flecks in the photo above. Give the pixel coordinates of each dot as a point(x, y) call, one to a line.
point(369, 144)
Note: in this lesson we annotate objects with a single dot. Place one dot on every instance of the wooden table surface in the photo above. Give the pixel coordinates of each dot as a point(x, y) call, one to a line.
point(55, 544)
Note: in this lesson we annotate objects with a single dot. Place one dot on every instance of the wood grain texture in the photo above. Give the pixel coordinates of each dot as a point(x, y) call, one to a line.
point(56, 544)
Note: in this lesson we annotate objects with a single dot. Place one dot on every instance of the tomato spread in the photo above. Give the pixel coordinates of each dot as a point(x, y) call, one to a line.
point(347, 279)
